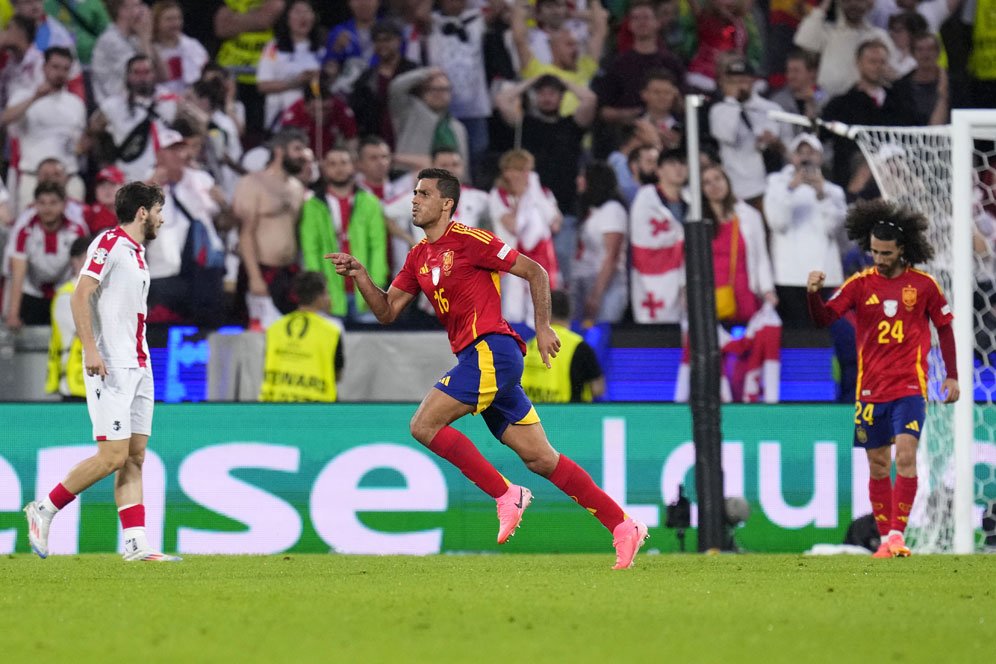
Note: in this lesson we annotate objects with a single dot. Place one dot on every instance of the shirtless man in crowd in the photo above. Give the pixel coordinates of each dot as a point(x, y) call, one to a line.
point(268, 204)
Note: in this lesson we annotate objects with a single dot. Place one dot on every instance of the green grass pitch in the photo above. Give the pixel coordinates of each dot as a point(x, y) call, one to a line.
point(498, 608)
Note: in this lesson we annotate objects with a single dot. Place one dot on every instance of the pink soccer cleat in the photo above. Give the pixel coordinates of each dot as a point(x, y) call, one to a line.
point(627, 538)
point(897, 546)
point(511, 505)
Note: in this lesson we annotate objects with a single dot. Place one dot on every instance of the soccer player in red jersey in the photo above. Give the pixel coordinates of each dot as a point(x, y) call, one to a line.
point(457, 267)
point(109, 308)
point(893, 303)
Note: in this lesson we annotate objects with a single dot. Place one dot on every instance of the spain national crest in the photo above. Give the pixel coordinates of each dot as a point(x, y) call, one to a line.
point(448, 262)
point(890, 307)
point(909, 297)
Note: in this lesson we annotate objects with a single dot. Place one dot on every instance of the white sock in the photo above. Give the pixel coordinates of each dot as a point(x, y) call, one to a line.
point(49, 506)
point(137, 534)
point(894, 532)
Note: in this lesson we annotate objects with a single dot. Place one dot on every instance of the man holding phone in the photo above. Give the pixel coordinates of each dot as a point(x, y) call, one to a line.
point(805, 213)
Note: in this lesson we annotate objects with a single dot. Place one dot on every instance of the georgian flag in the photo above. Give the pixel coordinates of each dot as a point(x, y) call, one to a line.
point(657, 246)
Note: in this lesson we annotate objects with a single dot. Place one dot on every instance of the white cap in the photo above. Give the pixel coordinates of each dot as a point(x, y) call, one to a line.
point(808, 139)
point(169, 137)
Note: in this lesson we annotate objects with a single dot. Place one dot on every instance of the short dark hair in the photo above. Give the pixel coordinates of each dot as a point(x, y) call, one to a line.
point(659, 74)
point(26, 25)
point(368, 140)
point(50, 188)
point(138, 57)
point(446, 182)
point(133, 196)
point(309, 286)
point(79, 246)
point(285, 137)
point(61, 51)
point(672, 154)
point(549, 81)
point(634, 154)
point(444, 149)
point(867, 44)
point(807, 58)
point(560, 305)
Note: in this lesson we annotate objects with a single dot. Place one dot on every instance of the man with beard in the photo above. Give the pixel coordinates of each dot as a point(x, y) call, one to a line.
point(136, 118)
point(343, 217)
point(109, 307)
point(267, 204)
point(47, 122)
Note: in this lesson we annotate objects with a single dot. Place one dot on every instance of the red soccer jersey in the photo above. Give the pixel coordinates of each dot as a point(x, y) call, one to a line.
point(893, 337)
point(459, 274)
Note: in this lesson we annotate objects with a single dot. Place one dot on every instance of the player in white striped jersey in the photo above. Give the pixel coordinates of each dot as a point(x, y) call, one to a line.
point(109, 309)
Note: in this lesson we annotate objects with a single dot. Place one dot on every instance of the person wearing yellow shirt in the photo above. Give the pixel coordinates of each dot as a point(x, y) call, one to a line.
point(568, 62)
point(65, 350)
point(304, 356)
point(574, 375)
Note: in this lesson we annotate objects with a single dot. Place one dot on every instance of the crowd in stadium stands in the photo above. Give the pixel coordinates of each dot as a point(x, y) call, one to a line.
point(282, 130)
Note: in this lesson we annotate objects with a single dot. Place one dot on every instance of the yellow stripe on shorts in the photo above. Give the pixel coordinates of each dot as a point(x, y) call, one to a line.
point(487, 389)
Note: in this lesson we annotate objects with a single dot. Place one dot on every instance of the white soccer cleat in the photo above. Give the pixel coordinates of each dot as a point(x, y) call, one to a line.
point(38, 525)
point(135, 552)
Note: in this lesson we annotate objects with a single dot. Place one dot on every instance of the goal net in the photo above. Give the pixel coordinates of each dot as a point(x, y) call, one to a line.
point(949, 174)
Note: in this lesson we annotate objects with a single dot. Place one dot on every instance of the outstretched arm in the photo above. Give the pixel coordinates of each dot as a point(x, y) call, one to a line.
point(386, 306)
point(539, 287)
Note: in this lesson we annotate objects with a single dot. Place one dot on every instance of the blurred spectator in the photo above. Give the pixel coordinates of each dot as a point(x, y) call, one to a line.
point(326, 118)
point(663, 107)
point(621, 87)
point(805, 213)
point(420, 111)
point(49, 31)
point(549, 16)
point(568, 62)
point(85, 19)
point(304, 357)
point(128, 35)
point(598, 275)
point(343, 217)
point(634, 164)
point(186, 262)
point(525, 216)
point(373, 171)
point(24, 62)
point(222, 147)
point(934, 12)
point(268, 205)
point(310, 172)
point(100, 214)
point(369, 98)
point(868, 102)
point(657, 240)
point(801, 94)
point(784, 17)
point(740, 254)
point(456, 46)
point(65, 350)
point(982, 59)
point(39, 262)
point(245, 29)
point(554, 140)
point(51, 169)
point(416, 25)
point(924, 91)
point(46, 122)
point(233, 107)
point(182, 57)
point(721, 28)
point(749, 140)
point(837, 41)
point(135, 118)
point(903, 27)
point(290, 62)
point(351, 43)
point(575, 374)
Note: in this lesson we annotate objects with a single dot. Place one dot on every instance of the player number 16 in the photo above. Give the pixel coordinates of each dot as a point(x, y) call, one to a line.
point(441, 302)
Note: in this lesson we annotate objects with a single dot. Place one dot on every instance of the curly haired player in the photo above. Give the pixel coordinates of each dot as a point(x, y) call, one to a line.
point(893, 303)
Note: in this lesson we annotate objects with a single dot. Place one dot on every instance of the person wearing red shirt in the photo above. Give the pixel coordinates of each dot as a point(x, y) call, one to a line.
point(457, 267)
point(99, 215)
point(893, 304)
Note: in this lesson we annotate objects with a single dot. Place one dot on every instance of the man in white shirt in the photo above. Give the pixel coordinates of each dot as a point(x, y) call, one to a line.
point(130, 34)
point(136, 118)
point(109, 309)
point(47, 122)
point(741, 125)
point(804, 213)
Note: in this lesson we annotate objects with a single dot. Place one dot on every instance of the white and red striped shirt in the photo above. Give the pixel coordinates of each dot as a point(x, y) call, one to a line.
point(119, 309)
point(47, 254)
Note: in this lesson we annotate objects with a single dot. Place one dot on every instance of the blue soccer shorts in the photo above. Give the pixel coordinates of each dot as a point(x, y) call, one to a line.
point(487, 376)
point(878, 424)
